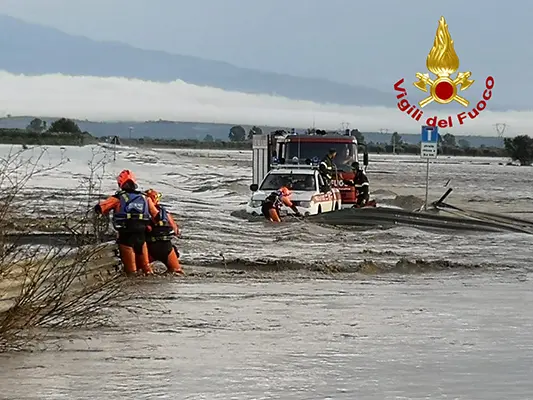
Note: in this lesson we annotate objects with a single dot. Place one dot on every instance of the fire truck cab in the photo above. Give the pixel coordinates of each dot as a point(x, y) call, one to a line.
point(270, 150)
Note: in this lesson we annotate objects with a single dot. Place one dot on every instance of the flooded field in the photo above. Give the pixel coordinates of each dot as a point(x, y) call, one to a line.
point(265, 312)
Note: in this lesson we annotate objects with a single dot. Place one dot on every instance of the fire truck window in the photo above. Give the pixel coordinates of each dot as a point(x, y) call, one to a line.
point(310, 150)
point(343, 155)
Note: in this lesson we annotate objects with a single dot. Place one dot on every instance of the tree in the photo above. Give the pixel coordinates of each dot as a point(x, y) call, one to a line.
point(449, 140)
point(237, 134)
point(358, 135)
point(520, 148)
point(254, 130)
point(209, 138)
point(36, 125)
point(64, 125)
point(463, 143)
point(396, 139)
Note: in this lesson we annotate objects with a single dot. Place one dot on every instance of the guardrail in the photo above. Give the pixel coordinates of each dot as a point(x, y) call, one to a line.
point(96, 260)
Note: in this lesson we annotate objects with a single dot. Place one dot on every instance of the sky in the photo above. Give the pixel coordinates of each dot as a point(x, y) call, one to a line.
point(103, 99)
point(351, 41)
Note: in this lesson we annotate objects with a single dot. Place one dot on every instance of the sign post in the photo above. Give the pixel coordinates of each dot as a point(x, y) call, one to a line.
point(114, 140)
point(428, 150)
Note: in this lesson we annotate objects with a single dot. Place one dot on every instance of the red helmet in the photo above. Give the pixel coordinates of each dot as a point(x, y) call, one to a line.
point(152, 194)
point(124, 177)
point(285, 191)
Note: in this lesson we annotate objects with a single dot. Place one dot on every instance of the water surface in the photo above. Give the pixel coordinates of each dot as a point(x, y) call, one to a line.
point(455, 325)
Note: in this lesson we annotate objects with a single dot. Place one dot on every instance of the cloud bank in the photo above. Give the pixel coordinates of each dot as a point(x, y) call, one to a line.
point(122, 99)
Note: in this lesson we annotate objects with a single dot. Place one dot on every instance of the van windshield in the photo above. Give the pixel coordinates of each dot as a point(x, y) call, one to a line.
point(304, 182)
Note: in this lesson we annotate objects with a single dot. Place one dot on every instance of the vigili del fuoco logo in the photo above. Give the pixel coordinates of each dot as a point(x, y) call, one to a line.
point(443, 61)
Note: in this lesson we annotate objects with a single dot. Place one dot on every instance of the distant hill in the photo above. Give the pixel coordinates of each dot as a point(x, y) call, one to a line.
point(194, 130)
point(33, 49)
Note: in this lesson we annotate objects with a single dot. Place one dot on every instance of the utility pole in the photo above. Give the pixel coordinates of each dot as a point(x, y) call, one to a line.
point(386, 131)
point(344, 126)
point(500, 129)
point(115, 140)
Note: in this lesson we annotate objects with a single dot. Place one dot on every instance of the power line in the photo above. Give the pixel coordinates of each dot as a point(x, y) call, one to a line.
point(393, 138)
point(500, 130)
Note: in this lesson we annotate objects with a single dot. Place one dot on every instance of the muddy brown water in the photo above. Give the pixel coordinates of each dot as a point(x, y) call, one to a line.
point(304, 311)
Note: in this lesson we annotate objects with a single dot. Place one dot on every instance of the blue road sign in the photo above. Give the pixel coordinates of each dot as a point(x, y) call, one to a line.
point(430, 134)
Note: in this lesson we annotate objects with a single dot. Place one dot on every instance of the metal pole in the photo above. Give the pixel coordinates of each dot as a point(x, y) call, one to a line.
point(427, 184)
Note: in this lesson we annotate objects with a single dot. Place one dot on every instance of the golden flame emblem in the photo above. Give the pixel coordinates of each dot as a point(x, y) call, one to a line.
point(443, 61)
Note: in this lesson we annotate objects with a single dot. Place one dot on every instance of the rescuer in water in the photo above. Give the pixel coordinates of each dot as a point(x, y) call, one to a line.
point(327, 167)
point(132, 213)
point(160, 234)
point(361, 184)
point(272, 204)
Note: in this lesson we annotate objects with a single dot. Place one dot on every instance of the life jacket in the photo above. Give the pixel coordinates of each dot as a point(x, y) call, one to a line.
point(161, 231)
point(133, 214)
point(274, 200)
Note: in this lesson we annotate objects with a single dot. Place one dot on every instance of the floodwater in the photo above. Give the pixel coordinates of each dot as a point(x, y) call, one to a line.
point(412, 315)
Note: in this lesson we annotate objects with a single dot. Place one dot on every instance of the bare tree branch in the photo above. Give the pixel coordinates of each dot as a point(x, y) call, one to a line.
point(53, 286)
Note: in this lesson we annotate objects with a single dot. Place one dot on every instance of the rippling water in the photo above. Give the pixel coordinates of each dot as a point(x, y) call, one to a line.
point(454, 325)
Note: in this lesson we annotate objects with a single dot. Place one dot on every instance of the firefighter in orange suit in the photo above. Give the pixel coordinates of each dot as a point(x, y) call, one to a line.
point(271, 207)
point(132, 213)
point(160, 234)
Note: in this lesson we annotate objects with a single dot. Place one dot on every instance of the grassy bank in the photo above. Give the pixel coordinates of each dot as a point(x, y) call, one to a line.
point(24, 137)
point(188, 144)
